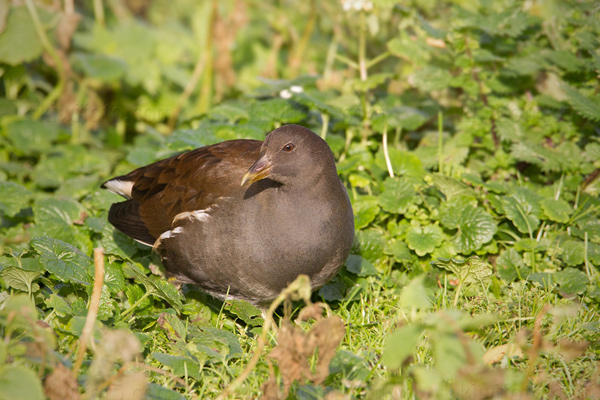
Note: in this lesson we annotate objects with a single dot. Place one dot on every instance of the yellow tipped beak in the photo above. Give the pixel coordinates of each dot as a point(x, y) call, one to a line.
point(259, 170)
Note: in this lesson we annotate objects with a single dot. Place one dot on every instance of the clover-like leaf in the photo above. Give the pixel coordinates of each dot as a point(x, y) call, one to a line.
point(424, 240)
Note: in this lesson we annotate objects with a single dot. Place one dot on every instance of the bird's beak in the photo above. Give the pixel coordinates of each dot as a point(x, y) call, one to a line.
point(259, 170)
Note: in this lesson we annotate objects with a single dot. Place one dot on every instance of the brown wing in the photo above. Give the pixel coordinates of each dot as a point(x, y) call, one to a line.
point(192, 181)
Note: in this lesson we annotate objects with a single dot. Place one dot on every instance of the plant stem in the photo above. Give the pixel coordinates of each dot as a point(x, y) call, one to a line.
point(137, 303)
point(388, 162)
point(440, 144)
point(99, 12)
point(297, 56)
point(60, 85)
point(362, 48)
point(88, 328)
point(325, 126)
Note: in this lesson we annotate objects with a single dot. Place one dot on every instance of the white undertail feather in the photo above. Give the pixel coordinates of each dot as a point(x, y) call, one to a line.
point(122, 188)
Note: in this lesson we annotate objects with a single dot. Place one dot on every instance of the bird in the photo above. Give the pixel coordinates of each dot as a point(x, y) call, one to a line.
point(241, 219)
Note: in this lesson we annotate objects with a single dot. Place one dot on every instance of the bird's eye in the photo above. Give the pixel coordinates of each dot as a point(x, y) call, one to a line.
point(289, 147)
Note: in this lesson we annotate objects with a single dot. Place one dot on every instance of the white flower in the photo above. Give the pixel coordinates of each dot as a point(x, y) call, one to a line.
point(357, 5)
point(297, 89)
point(285, 94)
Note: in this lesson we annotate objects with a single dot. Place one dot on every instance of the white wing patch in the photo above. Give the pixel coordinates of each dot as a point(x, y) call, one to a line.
point(167, 235)
point(122, 188)
point(199, 215)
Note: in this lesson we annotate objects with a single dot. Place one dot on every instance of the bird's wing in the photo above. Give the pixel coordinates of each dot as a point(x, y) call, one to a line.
point(191, 181)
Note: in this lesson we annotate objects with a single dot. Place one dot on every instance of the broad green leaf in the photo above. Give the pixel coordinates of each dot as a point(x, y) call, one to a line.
point(20, 279)
point(245, 311)
point(451, 187)
point(13, 198)
point(448, 354)
point(277, 110)
point(470, 270)
point(182, 366)
point(424, 240)
point(60, 306)
point(431, 78)
point(475, 225)
point(557, 210)
point(97, 66)
point(20, 309)
point(510, 266)
point(397, 195)
point(360, 266)
point(17, 382)
point(19, 41)
point(158, 287)
point(573, 252)
point(365, 210)
point(414, 295)
point(350, 366)
point(401, 344)
point(520, 214)
point(31, 137)
point(572, 281)
point(158, 392)
point(399, 250)
point(66, 262)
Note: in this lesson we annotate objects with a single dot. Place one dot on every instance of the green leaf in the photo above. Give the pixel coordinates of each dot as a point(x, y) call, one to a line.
point(475, 226)
point(451, 187)
point(66, 262)
point(97, 66)
point(431, 78)
point(397, 195)
point(401, 344)
point(18, 382)
point(588, 107)
point(60, 306)
point(424, 240)
point(399, 250)
point(470, 270)
point(182, 366)
point(158, 392)
point(414, 295)
point(19, 42)
point(360, 266)
point(557, 210)
point(573, 252)
point(510, 266)
point(13, 198)
point(31, 137)
point(523, 208)
point(572, 281)
point(158, 287)
point(365, 210)
point(245, 311)
point(20, 279)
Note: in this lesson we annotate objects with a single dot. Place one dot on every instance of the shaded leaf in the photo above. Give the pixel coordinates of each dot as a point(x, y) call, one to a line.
point(66, 262)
